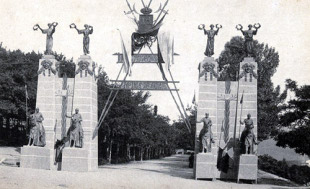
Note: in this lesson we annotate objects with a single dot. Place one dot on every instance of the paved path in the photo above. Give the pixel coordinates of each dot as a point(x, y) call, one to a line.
point(171, 172)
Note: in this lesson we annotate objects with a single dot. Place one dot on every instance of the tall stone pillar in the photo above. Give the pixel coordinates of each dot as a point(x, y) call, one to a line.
point(43, 157)
point(204, 167)
point(86, 99)
point(248, 86)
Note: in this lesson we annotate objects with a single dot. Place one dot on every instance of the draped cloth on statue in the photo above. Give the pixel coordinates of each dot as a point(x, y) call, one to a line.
point(49, 39)
point(205, 135)
point(49, 44)
point(86, 44)
point(86, 32)
point(75, 132)
point(38, 131)
point(248, 37)
point(247, 137)
point(33, 128)
point(210, 43)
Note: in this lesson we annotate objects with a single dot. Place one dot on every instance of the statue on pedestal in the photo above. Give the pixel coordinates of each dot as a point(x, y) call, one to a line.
point(75, 132)
point(211, 34)
point(37, 131)
point(33, 130)
point(248, 138)
point(205, 135)
point(86, 32)
point(248, 37)
point(49, 35)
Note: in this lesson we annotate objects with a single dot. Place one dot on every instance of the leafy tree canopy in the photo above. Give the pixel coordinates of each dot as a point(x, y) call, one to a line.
point(19, 69)
point(268, 97)
point(295, 115)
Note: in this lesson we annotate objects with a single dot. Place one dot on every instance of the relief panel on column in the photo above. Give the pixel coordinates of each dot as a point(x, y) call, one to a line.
point(248, 72)
point(208, 71)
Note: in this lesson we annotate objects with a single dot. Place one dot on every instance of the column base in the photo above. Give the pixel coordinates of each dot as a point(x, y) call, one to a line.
point(75, 159)
point(205, 166)
point(37, 158)
point(248, 167)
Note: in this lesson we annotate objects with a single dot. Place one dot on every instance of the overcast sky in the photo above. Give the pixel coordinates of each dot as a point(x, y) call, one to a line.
point(285, 26)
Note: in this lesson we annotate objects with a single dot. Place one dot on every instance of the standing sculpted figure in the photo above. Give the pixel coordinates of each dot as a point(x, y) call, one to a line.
point(33, 129)
point(248, 37)
point(49, 35)
point(37, 131)
point(211, 34)
point(75, 132)
point(86, 32)
point(206, 135)
point(248, 138)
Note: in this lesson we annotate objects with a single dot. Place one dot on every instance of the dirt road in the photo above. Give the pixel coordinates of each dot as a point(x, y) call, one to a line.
point(167, 173)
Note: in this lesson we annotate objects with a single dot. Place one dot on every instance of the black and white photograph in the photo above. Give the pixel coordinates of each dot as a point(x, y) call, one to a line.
point(154, 94)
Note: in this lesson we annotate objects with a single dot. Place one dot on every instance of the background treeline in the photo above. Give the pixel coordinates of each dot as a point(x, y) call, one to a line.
point(285, 120)
point(130, 131)
point(18, 69)
point(295, 173)
point(133, 131)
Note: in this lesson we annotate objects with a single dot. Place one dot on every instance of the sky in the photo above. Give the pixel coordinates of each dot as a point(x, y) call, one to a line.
point(285, 26)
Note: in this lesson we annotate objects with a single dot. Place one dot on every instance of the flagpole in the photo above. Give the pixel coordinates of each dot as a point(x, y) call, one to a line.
point(241, 113)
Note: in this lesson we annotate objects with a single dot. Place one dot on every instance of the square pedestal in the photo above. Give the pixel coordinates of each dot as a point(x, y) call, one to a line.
point(205, 166)
point(248, 167)
point(37, 157)
point(75, 159)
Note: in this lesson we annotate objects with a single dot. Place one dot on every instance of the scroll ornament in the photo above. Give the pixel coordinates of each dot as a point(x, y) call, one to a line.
point(46, 65)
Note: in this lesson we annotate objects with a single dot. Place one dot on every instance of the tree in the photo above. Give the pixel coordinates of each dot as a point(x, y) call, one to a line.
point(295, 115)
point(130, 124)
point(20, 69)
point(268, 97)
point(130, 121)
point(17, 70)
point(185, 139)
